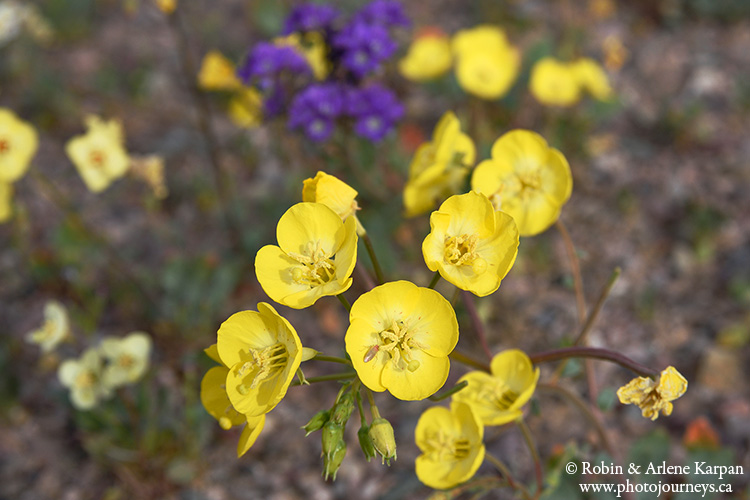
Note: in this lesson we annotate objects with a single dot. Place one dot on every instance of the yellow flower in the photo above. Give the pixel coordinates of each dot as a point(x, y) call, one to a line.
point(100, 154)
point(429, 57)
point(166, 6)
point(263, 352)
point(487, 65)
point(246, 108)
point(315, 257)
point(439, 167)
point(217, 73)
point(399, 339)
point(497, 398)
point(216, 401)
point(470, 244)
point(451, 445)
point(55, 329)
point(128, 358)
point(592, 78)
point(150, 169)
point(6, 201)
point(312, 47)
point(335, 194)
point(18, 144)
point(526, 179)
point(554, 83)
point(654, 396)
point(83, 377)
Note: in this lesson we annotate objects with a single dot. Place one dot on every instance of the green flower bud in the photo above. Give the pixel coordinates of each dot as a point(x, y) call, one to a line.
point(332, 435)
point(365, 442)
point(332, 462)
point(343, 409)
point(381, 434)
point(317, 422)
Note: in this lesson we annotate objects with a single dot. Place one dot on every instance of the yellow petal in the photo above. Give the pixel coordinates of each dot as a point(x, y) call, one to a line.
point(6, 201)
point(420, 384)
point(214, 397)
point(427, 58)
point(310, 222)
point(242, 330)
point(250, 434)
point(672, 384)
point(360, 338)
point(18, 145)
point(554, 83)
point(217, 73)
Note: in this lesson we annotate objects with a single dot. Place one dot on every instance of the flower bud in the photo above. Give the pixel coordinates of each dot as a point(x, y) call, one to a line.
point(365, 442)
point(343, 409)
point(381, 434)
point(332, 434)
point(331, 463)
point(317, 422)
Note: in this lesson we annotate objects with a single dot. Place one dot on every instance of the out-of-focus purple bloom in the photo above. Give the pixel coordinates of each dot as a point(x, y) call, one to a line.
point(375, 110)
point(364, 46)
point(316, 108)
point(387, 13)
point(274, 101)
point(310, 17)
point(267, 60)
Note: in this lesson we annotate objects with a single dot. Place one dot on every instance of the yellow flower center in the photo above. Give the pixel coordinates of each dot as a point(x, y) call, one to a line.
point(530, 180)
point(125, 361)
point(316, 269)
point(261, 365)
point(398, 341)
point(461, 251)
point(85, 380)
point(443, 447)
point(97, 158)
point(4, 146)
point(498, 395)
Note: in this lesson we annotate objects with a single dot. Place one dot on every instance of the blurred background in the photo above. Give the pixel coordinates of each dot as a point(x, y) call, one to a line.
point(661, 177)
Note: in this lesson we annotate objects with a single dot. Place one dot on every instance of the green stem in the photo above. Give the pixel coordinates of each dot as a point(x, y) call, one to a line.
point(373, 406)
point(327, 378)
point(360, 407)
point(375, 263)
point(450, 392)
point(534, 454)
point(594, 314)
point(435, 279)
point(332, 359)
point(506, 474)
point(469, 361)
point(595, 353)
point(346, 303)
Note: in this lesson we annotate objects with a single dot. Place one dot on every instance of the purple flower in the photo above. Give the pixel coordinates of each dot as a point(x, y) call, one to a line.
point(316, 108)
point(363, 47)
point(310, 17)
point(267, 60)
point(387, 13)
point(375, 110)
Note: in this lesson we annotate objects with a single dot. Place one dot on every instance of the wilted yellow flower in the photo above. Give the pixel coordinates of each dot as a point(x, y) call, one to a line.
point(429, 57)
point(497, 398)
point(439, 167)
point(487, 65)
point(99, 155)
point(127, 358)
point(399, 339)
point(83, 377)
point(6, 201)
point(312, 47)
point(18, 144)
point(526, 179)
point(217, 73)
point(263, 352)
point(451, 445)
point(654, 396)
point(150, 169)
point(592, 78)
point(55, 329)
point(315, 257)
point(166, 6)
point(246, 108)
point(470, 244)
point(554, 83)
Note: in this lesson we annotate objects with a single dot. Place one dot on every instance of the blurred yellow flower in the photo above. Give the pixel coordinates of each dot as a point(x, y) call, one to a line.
point(526, 179)
point(312, 47)
point(315, 257)
point(6, 201)
point(399, 339)
point(166, 6)
point(497, 398)
point(654, 396)
point(150, 169)
point(592, 78)
point(429, 57)
point(615, 53)
point(99, 155)
point(246, 108)
point(451, 445)
point(217, 73)
point(18, 144)
point(470, 244)
point(83, 377)
point(486, 64)
point(554, 83)
point(263, 352)
point(55, 329)
point(439, 167)
point(127, 358)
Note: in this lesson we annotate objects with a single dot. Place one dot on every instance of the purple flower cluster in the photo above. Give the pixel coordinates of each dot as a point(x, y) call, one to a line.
point(386, 13)
point(375, 110)
point(316, 109)
point(364, 47)
point(267, 60)
point(310, 17)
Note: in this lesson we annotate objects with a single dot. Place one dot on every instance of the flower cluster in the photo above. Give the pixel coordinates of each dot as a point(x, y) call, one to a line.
point(557, 83)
